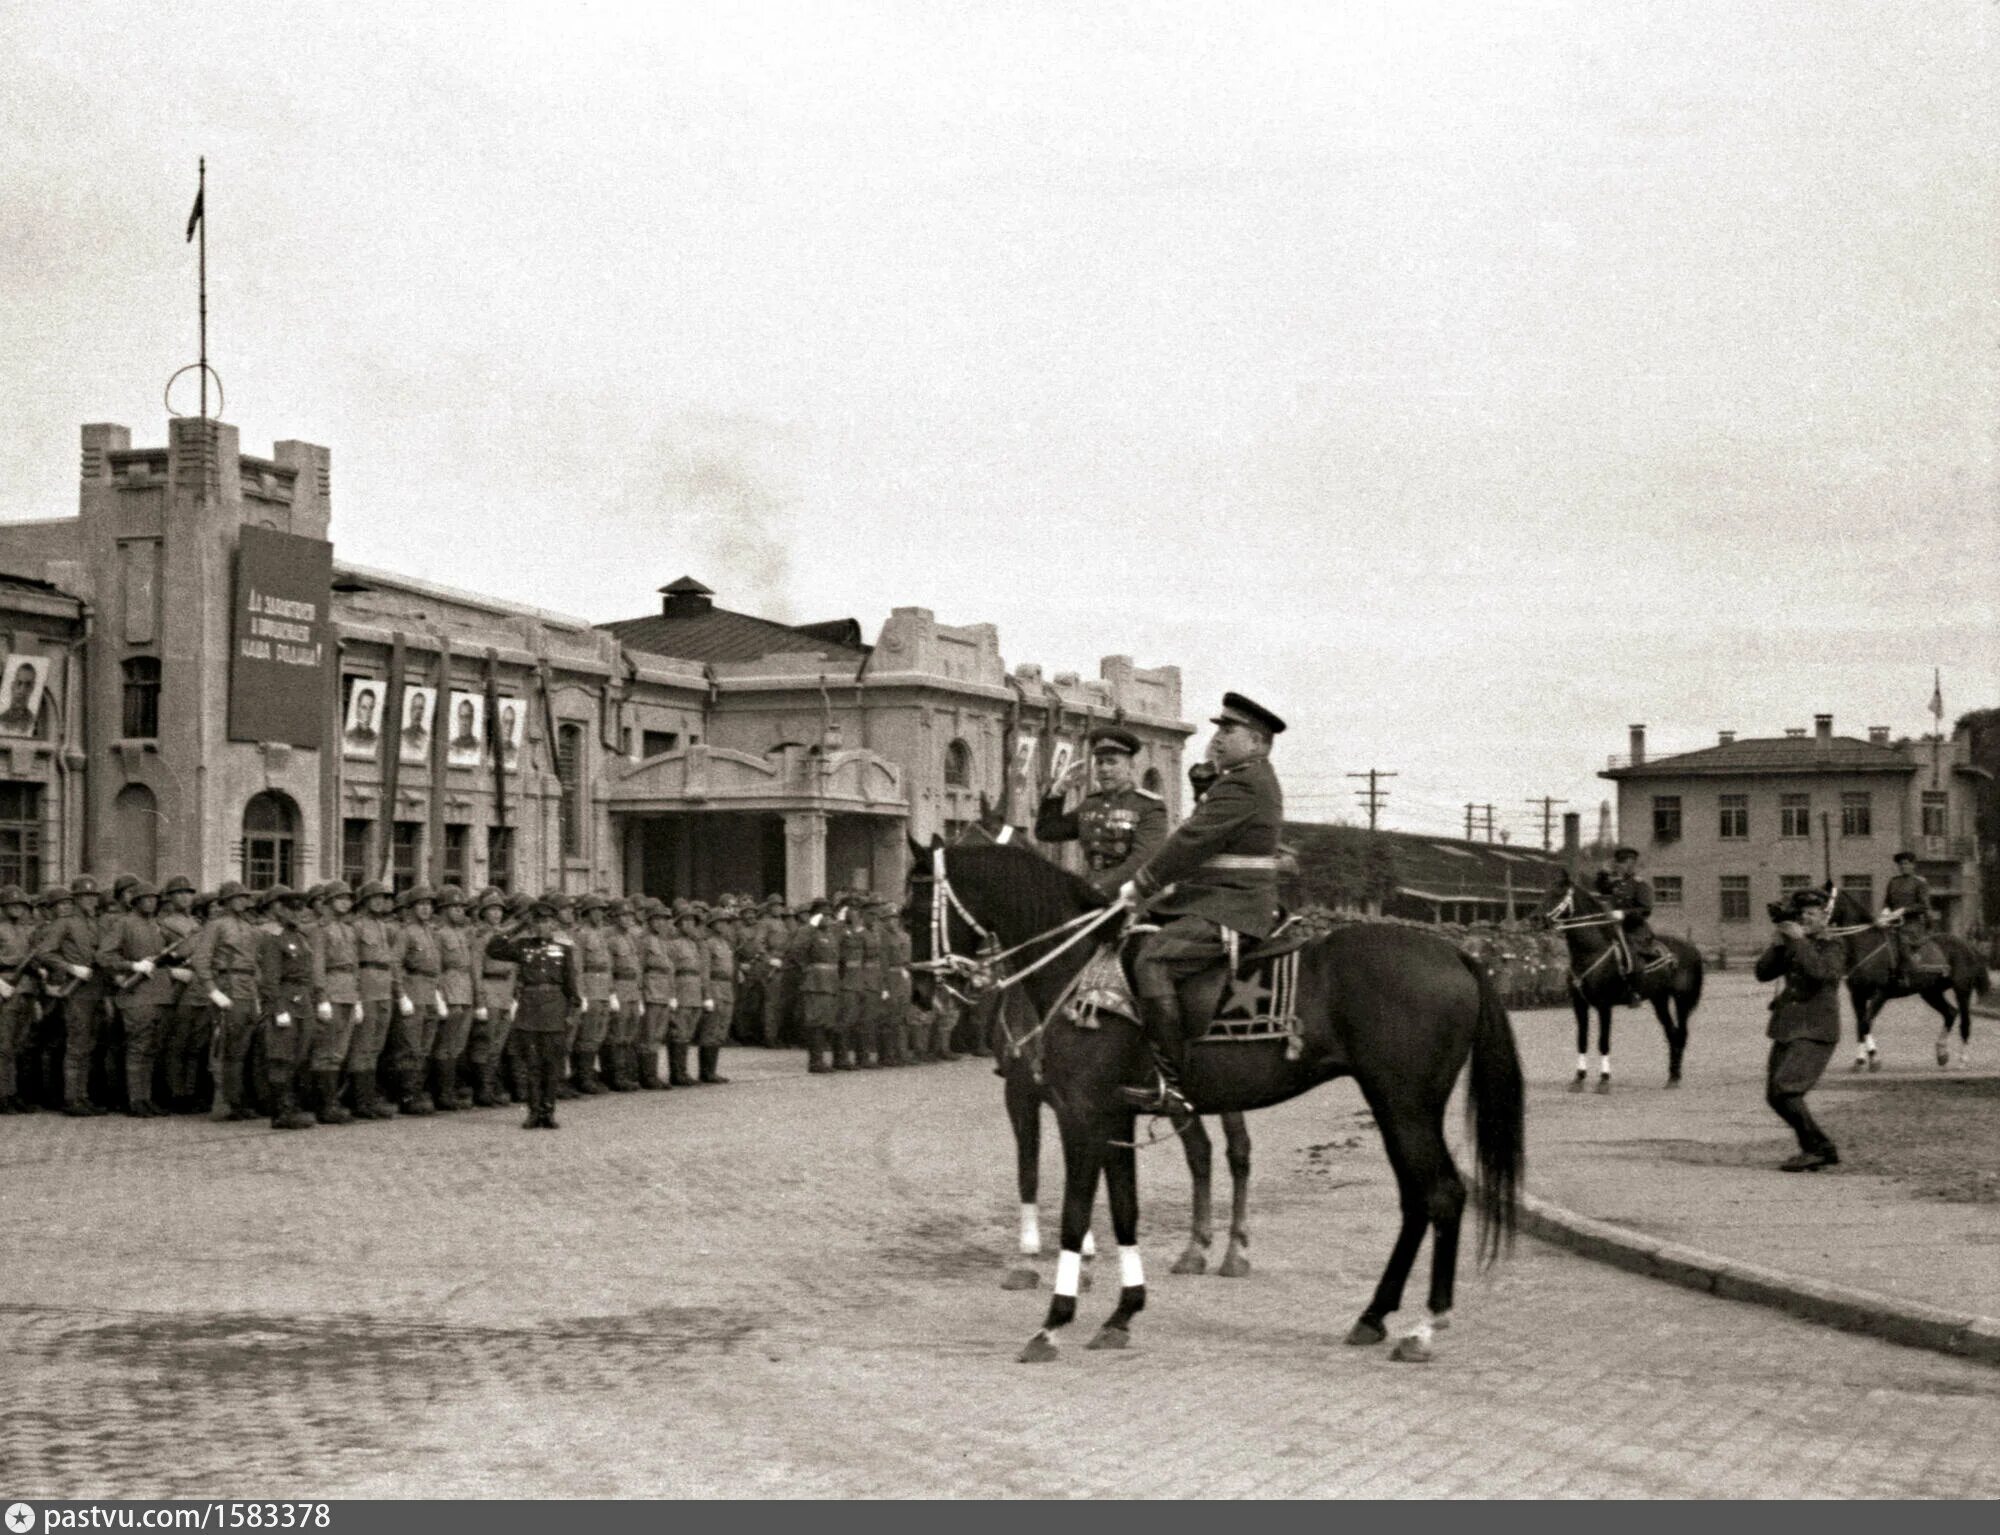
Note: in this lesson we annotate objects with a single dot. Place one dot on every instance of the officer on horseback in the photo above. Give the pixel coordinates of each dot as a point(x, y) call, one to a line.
point(1216, 874)
point(1119, 824)
point(1907, 913)
point(1631, 900)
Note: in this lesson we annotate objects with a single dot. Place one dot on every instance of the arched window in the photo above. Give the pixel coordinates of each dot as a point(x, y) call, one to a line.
point(270, 841)
point(1152, 781)
point(135, 823)
point(958, 766)
point(142, 698)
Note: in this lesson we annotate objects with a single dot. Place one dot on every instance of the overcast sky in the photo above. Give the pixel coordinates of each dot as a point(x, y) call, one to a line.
point(1463, 381)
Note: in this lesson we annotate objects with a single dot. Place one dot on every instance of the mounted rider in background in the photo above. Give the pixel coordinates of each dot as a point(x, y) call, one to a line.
point(1908, 914)
point(1631, 901)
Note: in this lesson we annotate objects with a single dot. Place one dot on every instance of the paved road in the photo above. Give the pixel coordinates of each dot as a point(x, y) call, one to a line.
point(789, 1286)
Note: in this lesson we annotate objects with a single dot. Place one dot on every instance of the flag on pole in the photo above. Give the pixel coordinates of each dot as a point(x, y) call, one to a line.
point(1937, 696)
point(194, 216)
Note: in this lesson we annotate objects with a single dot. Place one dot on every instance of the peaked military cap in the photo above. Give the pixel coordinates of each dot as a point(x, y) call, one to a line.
point(1811, 896)
point(180, 884)
point(1906, 853)
point(1624, 852)
point(1239, 710)
point(589, 903)
point(1113, 740)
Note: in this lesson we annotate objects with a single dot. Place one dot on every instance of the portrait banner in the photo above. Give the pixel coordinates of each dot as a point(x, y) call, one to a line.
point(22, 684)
point(511, 727)
point(361, 726)
point(280, 655)
point(414, 733)
point(1060, 759)
point(467, 723)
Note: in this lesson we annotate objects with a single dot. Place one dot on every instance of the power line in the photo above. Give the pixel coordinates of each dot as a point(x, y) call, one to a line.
point(1548, 804)
point(1372, 795)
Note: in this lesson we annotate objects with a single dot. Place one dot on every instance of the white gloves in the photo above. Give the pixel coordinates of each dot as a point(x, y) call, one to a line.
point(283, 1020)
point(142, 968)
point(6, 992)
point(324, 1012)
point(182, 974)
point(479, 1013)
point(612, 1002)
point(404, 1005)
point(81, 972)
point(513, 1011)
point(220, 999)
point(355, 1014)
point(1617, 916)
point(437, 1001)
point(708, 1006)
point(1128, 893)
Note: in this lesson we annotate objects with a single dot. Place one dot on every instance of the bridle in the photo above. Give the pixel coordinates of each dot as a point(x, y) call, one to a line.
point(987, 971)
point(1559, 918)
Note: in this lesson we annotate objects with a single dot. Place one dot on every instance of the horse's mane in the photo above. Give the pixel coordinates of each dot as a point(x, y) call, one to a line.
point(1038, 894)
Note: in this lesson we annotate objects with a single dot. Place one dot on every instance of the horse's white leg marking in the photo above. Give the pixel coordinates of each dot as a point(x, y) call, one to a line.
point(1069, 1271)
point(1031, 1231)
point(1131, 1271)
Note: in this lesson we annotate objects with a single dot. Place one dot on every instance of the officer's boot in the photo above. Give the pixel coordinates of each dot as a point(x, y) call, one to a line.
point(624, 1067)
point(285, 1111)
point(139, 1088)
point(941, 1050)
point(816, 1051)
point(709, 1056)
point(677, 1066)
point(416, 1101)
point(438, 1074)
point(1163, 1032)
point(647, 1058)
point(583, 1067)
point(327, 1086)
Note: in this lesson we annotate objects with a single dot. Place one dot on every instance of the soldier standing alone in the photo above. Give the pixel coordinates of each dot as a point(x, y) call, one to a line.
point(1805, 1022)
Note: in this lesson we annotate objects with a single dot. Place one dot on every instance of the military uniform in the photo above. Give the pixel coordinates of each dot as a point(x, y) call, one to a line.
point(224, 963)
point(289, 991)
point(492, 1004)
point(17, 1004)
point(455, 982)
point(853, 986)
point(547, 990)
point(627, 1017)
point(719, 1012)
point(184, 1030)
point(593, 964)
point(68, 946)
point(1916, 950)
point(1119, 829)
point(340, 986)
point(420, 1004)
point(379, 982)
point(1632, 896)
point(1804, 1029)
point(819, 993)
point(690, 950)
point(129, 949)
point(657, 990)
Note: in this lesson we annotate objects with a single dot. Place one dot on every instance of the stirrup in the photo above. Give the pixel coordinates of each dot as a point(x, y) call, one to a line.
point(1160, 1097)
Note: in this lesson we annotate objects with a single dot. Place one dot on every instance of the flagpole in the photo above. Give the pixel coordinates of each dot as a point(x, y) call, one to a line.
point(201, 201)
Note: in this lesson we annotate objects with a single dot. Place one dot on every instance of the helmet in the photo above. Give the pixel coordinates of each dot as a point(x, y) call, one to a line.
point(373, 888)
point(14, 895)
point(449, 895)
point(179, 884)
point(53, 895)
point(279, 895)
point(83, 884)
point(489, 898)
point(229, 890)
point(414, 894)
point(588, 903)
point(333, 889)
point(139, 890)
point(123, 884)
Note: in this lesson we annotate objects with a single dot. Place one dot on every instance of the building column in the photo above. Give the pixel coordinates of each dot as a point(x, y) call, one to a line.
point(889, 858)
point(805, 856)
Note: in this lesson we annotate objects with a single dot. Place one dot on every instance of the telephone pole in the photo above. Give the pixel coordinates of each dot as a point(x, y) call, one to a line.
point(1468, 821)
point(1548, 804)
point(1372, 795)
point(1487, 811)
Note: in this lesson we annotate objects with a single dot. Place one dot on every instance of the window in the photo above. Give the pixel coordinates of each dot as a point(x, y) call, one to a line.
point(270, 841)
point(357, 837)
point(1666, 818)
point(142, 699)
point(1795, 815)
point(406, 843)
point(1856, 816)
point(1734, 822)
point(569, 773)
point(500, 857)
point(958, 765)
point(457, 842)
point(1787, 883)
point(1935, 811)
point(1666, 890)
point(1861, 887)
point(657, 743)
point(1735, 898)
point(21, 835)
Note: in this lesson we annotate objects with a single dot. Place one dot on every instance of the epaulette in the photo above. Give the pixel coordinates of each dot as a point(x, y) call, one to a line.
point(1147, 794)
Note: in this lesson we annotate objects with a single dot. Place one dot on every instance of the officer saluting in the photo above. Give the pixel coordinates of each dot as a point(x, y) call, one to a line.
point(1119, 824)
point(1805, 1020)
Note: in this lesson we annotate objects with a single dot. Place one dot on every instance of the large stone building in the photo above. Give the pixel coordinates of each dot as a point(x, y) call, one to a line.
point(196, 694)
point(1730, 827)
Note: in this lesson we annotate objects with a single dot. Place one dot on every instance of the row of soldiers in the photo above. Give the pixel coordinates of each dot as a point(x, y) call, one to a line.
point(335, 1003)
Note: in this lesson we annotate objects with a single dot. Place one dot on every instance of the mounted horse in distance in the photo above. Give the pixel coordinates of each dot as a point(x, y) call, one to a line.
point(1615, 960)
point(1880, 969)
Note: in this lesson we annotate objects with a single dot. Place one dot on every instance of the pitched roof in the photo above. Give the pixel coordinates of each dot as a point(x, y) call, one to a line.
point(716, 634)
point(1773, 754)
point(1444, 868)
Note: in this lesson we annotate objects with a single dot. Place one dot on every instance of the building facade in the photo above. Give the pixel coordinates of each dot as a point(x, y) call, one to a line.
point(463, 738)
point(1726, 829)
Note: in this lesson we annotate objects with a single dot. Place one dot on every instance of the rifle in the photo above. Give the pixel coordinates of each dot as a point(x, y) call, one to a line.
point(174, 950)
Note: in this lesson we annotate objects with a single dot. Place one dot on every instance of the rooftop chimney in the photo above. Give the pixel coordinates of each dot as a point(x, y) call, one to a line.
point(685, 598)
point(1823, 729)
point(1878, 735)
point(1572, 833)
point(1638, 754)
point(1725, 738)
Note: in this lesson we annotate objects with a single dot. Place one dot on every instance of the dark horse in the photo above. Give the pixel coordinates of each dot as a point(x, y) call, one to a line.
point(1873, 980)
point(1010, 1022)
point(1399, 1010)
point(1597, 980)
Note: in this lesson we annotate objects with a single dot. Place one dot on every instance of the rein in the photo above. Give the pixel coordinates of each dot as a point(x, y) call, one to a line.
point(981, 971)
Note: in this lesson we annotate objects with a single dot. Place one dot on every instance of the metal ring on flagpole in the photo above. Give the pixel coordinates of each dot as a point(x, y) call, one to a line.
point(166, 395)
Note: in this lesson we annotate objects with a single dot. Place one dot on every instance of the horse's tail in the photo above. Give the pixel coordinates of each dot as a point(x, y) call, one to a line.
point(1982, 981)
point(1691, 998)
point(1494, 1108)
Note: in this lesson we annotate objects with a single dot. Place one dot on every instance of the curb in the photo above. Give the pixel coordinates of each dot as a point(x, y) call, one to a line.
point(1959, 1333)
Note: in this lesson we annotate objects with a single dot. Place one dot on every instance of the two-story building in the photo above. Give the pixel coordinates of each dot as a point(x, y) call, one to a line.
point(194, 684)
point(1727, 828)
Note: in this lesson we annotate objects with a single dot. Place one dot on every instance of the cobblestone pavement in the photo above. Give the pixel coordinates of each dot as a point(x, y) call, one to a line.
point(789, 1286)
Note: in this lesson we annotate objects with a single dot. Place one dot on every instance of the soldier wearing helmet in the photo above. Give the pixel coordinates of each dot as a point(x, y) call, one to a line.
point(627, 1009)
point(492, 999)
point(420, 1004)
point(291, 996)
point(17, 1008)
point(376, 978)
point(132, 949)
point(455, 978)
point(224, 963)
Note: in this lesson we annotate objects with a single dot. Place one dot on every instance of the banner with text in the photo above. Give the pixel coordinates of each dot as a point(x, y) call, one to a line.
point(281, 649)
